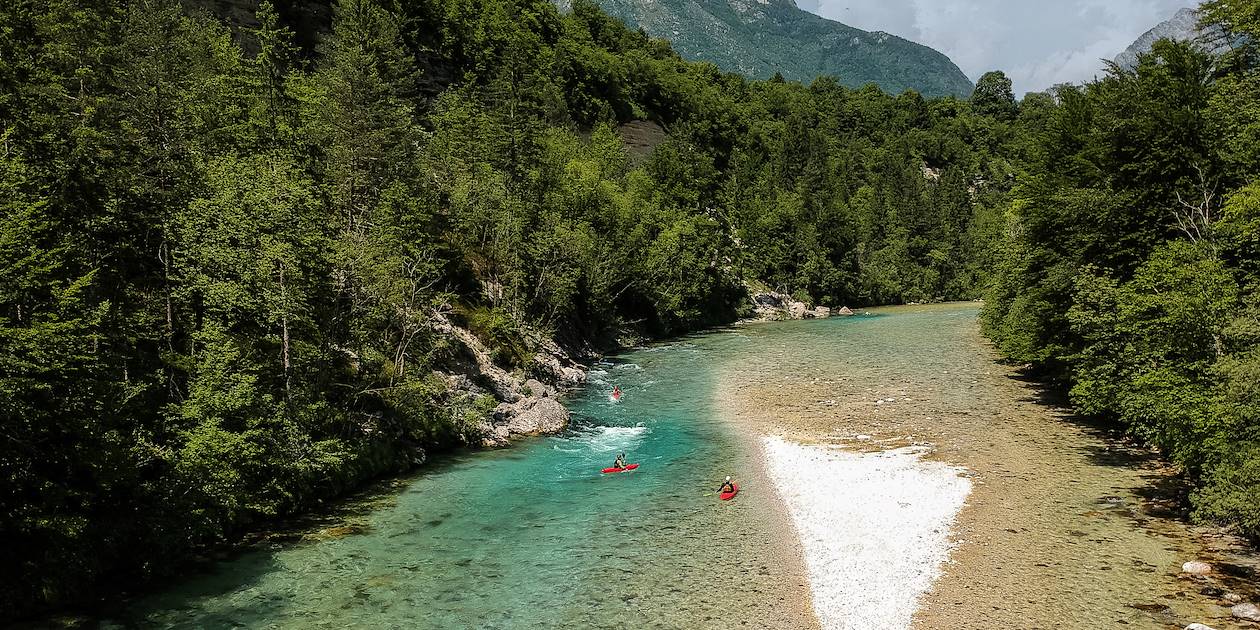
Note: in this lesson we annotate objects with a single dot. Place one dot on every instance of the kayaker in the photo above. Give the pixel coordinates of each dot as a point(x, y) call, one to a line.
point(616, 392)
point(727, 486)
point(621, 461)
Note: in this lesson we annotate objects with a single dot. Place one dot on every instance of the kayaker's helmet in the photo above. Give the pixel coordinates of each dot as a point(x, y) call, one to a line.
point(728, 477)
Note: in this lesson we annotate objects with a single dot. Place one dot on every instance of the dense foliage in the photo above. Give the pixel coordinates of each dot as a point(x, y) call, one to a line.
point(218, 270)
point(1131, 271)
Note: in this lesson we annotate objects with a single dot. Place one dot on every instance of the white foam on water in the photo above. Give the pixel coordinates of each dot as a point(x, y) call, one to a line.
point(607, 439)
point(875, 527)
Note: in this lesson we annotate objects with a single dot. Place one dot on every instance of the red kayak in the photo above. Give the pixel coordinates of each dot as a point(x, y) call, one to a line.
point(727, 496)
point(617, 470)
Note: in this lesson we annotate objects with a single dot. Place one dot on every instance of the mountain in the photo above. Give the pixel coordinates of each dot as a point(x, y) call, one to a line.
point(1184, 26)
point(758, 38)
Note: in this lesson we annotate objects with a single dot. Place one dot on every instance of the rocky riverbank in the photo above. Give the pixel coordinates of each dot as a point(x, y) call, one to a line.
point(775, 306)
point(525, 405)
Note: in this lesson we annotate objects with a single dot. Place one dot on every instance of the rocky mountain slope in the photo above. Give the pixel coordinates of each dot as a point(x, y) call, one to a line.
point(758, 38)
point(1184, 26)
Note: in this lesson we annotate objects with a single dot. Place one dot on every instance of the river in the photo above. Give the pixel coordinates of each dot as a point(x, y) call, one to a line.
point(1064, 526)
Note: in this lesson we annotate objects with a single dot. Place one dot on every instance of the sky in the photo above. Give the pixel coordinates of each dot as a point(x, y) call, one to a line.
point(1037, 43)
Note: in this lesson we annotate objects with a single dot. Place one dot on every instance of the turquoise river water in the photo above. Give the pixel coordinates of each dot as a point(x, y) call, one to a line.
point(1063, 529)
point(534, 535)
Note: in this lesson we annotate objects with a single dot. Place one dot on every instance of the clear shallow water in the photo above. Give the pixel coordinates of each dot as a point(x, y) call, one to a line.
point(1064, 528)
point(535, 536)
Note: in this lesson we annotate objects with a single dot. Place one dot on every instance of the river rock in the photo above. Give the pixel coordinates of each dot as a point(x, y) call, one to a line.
point(1199, 626)
point(532, 416)
point(1195, 567)
point(844, 312)
point(1250, 612)
point(798, 310)
point(539, 415)
point(1233, 598)
point(822, 312)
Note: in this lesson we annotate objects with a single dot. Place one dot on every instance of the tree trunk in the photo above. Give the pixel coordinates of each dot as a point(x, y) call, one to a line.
point(284, 331)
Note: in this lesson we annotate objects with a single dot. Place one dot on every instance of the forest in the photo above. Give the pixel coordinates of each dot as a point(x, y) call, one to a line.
point(222, 251)
point(1130, 270)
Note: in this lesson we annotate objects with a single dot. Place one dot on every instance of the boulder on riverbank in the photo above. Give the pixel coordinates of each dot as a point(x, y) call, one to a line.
point(553, 363)
point(532, 416)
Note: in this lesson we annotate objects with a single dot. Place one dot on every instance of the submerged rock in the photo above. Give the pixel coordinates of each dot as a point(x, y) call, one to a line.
point(1250, 612)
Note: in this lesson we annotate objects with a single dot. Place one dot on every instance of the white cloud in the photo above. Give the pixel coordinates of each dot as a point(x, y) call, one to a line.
point(1038, 43)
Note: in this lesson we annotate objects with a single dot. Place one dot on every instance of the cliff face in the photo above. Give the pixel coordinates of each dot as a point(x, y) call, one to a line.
point(758, 38)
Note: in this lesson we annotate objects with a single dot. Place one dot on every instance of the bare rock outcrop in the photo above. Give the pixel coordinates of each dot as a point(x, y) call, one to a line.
point(477, 363)
point(772, 305)
point(555, 364)
point(527, 406)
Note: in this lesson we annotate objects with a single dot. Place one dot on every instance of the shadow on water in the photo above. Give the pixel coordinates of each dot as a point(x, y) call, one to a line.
point(241, 565)
point(217, 573)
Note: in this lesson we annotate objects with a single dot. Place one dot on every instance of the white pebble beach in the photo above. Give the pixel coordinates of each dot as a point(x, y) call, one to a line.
point(874, 527)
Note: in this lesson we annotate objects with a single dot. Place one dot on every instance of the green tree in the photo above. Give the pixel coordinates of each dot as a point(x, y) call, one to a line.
point(993, 96)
